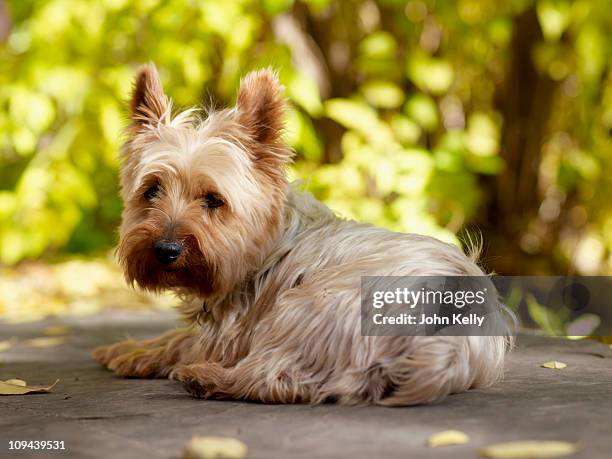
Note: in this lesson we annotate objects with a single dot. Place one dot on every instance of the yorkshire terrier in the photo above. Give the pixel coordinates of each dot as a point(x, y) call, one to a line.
point(269, 277)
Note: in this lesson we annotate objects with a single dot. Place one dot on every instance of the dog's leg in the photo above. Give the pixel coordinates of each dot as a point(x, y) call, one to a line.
point(248, 380)
point(105, 354)
point(144, 359)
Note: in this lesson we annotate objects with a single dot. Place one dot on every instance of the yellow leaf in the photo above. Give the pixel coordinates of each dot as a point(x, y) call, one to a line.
point(16, 382)
point(56, 330)
point(447, 437)
point(44, 341)
point(553, 364)
point(6, 345)
point(528, 449)
point(15, 389)
point(215, 448)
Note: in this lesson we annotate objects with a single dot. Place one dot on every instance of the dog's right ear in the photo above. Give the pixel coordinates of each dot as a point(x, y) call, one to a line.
point(149, 104)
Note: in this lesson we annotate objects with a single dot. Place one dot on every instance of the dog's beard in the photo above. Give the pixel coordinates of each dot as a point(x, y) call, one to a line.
point(191, 274)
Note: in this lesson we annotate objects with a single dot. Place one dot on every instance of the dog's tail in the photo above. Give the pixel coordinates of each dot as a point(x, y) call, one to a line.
point(443, 365)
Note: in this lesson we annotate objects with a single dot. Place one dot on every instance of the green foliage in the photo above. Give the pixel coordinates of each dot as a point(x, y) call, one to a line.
point(394, 116)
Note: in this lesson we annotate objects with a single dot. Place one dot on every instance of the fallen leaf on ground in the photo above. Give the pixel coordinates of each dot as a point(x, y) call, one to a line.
point(553, 364)
point(16, 382)
point(56, 330)
point(7, 344)
point(14, 389)
point(44, 341)
point(447, 438)
point(529, 449)
point(215, 448)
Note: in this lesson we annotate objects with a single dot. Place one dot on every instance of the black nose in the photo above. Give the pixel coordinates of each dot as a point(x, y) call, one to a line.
point(167, 252)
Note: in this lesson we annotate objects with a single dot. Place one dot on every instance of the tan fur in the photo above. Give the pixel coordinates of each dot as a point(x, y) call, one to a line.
point(270, 281)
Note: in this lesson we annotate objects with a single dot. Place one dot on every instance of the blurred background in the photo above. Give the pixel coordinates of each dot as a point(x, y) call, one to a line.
point(439, 117)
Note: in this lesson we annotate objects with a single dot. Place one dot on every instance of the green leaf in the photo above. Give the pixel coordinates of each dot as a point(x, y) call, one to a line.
point(554, 17)
point(430, 74)
point(380, 44)
point(482, 137)
point(382, 94)
point(405, 130)
point(305, 92)
point(356, 115)
point(422, 109)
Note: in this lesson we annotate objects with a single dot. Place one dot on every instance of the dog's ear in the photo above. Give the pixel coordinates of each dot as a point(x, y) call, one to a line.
point(149, 103)
point(260, 106)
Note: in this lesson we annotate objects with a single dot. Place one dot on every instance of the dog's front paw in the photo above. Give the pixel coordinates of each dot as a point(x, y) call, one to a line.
point(194, 381)
point(104, 355)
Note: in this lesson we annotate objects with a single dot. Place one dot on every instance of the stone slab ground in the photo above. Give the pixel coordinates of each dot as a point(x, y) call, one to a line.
point(101, 416)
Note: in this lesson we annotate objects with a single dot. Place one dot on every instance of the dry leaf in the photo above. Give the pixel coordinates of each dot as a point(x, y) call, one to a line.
point(6, 345)
point(44, 342)
point(553, 364)
point(13, 389)
point(56, 330)
point(447, 438)
point(16, 382)
point(215, 448)
point(529, 449)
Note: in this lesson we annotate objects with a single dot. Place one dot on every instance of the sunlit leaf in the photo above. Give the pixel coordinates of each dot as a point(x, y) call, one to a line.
point(482, 135)
point(554, 17)
point(423, 110)
point(448, 161)
point(430, 74)
point(44, 342)
point(304, 90)
point(378, 45)
point(405, 130)
point(301, 135)
point(351, 114)
point(529, 449)
point(7, 344)
point(383, 94)
point(448, 438)
point(358, 116)
point(215, 448)
point(56, 330)
point(33, 109)
point(591, 48)
point(385, 174)
point(554, 365)
point(18, 389)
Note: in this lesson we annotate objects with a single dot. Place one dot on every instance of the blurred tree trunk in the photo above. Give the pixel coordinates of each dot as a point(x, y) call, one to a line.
point(334, 33)
point(525, 101)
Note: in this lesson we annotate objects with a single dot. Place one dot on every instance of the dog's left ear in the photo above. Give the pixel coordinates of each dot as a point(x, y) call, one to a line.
point(260, 106)
point(149, 102)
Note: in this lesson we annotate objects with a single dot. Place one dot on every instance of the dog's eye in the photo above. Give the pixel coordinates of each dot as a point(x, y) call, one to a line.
point(212, 201)
point(152, 192)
